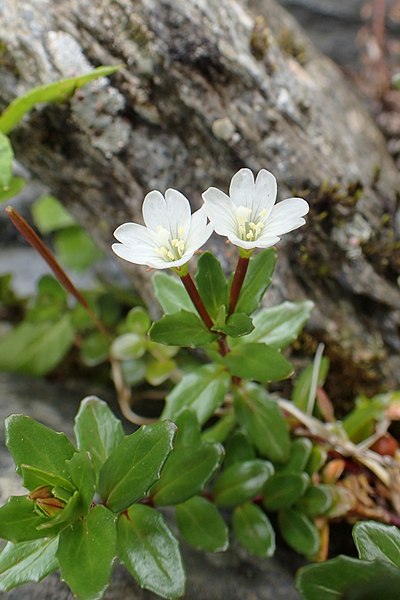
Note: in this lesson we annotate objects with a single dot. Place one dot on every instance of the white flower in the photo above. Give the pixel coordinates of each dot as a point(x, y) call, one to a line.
point(171, 235)
point(249, 217)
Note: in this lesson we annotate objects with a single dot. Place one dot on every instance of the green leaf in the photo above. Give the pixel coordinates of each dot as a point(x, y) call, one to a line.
point(36, 348)
point(95, 349)
point(259, 362)
point(254, 530)
point(203, 391)
point(35, 477)
point(158, 371)
point(75, 248)
point(6, 159)
point(301, 390)
point(241, 481)
point(27, 561)
point(138, 320)
point(299, 532)
point(31, 443)
point(181, 329)
point(49, 215)
point(360, 422)
point(257, 280)
point(19, 520)
point(317, 459)
point(237, 325)
point(188, 467)
point(69, 514)
point(127, 346)
point(86, 553)
point(279, 326)
point(150, 552)
point(283, 489)
point(15, 186)
point(238, 449)
point(300, 452)
point(83, 476)
point(377, 541)
point(317, 500)
point(211, 283)
point(345, 578)
point(263, 422)
point(220, 430)
point(201, 524)
point(97, 430)
point(135, 465)
point(171, 294)
point(58, 91)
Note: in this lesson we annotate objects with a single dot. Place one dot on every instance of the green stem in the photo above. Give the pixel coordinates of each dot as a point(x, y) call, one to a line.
point(238, 278)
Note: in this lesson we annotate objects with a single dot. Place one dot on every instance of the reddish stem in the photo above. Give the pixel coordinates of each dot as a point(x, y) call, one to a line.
point(196, 299)
point(238, 278)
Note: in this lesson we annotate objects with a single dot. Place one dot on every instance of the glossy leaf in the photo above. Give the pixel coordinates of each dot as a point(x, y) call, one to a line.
point(220, 430)
point(200, 523)
point(348, 579)
point(181, 329)
point(263, 422)
point(69, 514)
point(211, 283)
point(82, 473)
point(283, 489)
point(97, 430)
point(49, 215)
point(57, 91)
point(316, 501)
point(317, 459)
point(301, 390)
point(299, 532)
point(254, 530)
point(150, 552)
point(86, 553)
point(31, 443)
point(6, 158)
point(27, 562)
point(377, 541)
point(300, 452)
point(14, 187)
point(241, 481)
point(258, 362)
point(238, 449)
point(280, 325)
point(257, 280)
point(36, 348)
point(34, 477)
point(203, 391)
point(135, 465)
point(19, 520)
point(171, 294)
point(237, 325)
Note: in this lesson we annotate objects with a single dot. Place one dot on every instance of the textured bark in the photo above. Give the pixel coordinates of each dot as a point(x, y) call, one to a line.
point(209, 86)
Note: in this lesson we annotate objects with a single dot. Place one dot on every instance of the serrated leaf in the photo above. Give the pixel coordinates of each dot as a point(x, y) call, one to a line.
point(301, 389)
point(377, 541)
point(203, 391)
point(83, 476)
point(348, 578)
point(181, 329)
point(135, 465)
point(171, 294)
point(299, 532)
point(283, 489)
point(200, 523)
point(237, 325)
point(36, 348)
point(27, 561)
point(6, 158)
point(97, 430)
point(15, 186)
point(211, 283)
point(57, 91)
point(49, 215)
point(254, 530)
point(263, 422)
point(258, 362)
point(19, 521)
point(258, 278)
point(241, 481)
point(31, 443)
point(147, 548)
point(316, 501)
point(86, 553)
point(280, 325)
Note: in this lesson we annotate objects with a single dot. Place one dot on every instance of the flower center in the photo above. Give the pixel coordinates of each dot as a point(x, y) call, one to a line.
point(170, 248)
point(249, 226)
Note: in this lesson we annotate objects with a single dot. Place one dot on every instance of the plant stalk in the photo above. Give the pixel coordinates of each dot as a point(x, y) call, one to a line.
point(238, 278)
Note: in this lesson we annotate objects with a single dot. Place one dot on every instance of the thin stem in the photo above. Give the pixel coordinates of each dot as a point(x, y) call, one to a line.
point(34, 240)
point(238, 278)
point(196, 299)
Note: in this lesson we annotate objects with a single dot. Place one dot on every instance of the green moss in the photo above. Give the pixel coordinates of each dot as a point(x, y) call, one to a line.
point(288, 44)
point(260, 39)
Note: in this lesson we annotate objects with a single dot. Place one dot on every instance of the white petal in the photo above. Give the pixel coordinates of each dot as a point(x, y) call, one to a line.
point(232, 237)
point(134, 236)
point(131, 255)
point(286, 216)
point(199, 231)
point(242, 189)
point(265, 193)
point(178, 210)
point(219, 210)
point(154, 211)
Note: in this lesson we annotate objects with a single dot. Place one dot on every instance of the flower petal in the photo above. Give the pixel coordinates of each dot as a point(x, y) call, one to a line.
point(133, 256)
point(286, 216)
point(242, 189)
point(265, 194)
point(199, 231)
point(219, 210)
point(154, 211)
point(178, 211)
point(134, 235)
